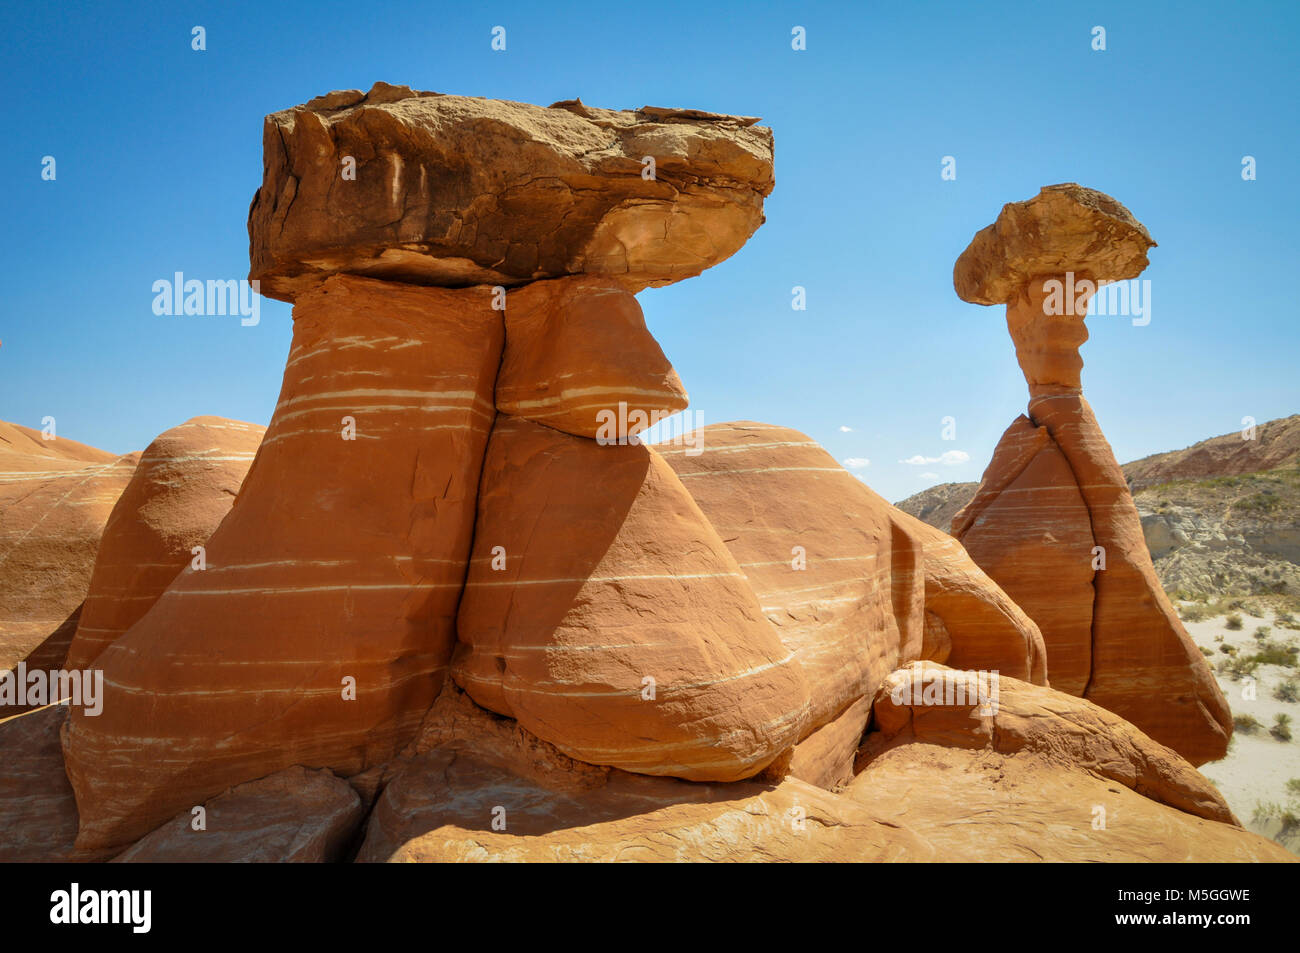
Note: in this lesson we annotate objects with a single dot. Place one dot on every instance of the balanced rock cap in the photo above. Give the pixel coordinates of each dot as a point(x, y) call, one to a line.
point(432, 189)
point(1063, 228)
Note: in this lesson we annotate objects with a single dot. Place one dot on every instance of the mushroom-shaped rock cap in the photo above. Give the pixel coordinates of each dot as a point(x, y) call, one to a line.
point(1063, 228)
point(430, 189)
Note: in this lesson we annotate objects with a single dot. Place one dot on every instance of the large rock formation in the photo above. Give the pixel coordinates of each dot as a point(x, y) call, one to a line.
point(1036, 776)
point(450, 190)
point(1053, 521)
point(663, 654)
point(443, 809)
point(55, 498)
point(922, 703)
point(853, 586)
point(604, 613)
point(985, 807)
point(1033, 533)
point(182, 488)
point(324, 622)
point(936, 784)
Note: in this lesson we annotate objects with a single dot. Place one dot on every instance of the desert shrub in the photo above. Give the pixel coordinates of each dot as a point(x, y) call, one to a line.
point(1227, 649)
point(1281, 729)
point(1284, 619)
point(1275, 653)
point(1293, 787)
point(1288, 817)
point(1205, 651)
point(1263, 632)
point(1234, 622)
point(1246, 724)
point(1287, 691)
point(1236, 666)
point(1264, 812)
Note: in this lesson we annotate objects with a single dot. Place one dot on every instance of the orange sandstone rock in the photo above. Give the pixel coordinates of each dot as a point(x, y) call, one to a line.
point(1033, 533)
point(603, 613)
point(473, 806)
point(983, 625)
point(1038, 775)
point(321, 629)
point(1054, 522)
point(922, 703)
point(845, 577)
point(182, 488)
point(1145, 666)
point(577, 349)
point(494, 796)
point(853, 586)
point(983, 806)
point(55, 498)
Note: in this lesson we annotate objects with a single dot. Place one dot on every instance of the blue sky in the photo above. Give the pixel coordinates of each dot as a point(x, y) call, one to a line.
point(158, 151)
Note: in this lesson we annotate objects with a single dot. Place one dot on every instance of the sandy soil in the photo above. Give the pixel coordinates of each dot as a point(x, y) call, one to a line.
point(1258, 765)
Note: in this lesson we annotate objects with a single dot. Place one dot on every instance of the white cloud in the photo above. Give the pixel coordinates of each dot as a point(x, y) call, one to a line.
point(856, 463)
point(949, 458)
point(846, 430)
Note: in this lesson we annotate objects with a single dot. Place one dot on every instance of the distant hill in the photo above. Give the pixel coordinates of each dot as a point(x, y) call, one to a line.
point(939, 504)
point(1221, 517)
point(1276, 444)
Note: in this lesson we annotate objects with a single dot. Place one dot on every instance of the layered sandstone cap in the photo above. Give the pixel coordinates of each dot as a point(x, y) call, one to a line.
point(1063, 228)
point(431, 189)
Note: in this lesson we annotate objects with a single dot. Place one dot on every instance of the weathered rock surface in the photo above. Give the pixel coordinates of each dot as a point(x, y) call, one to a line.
point(934, 704)
point(38, 813)
point(1033, 532)
point(1063, 228)
point(1037, 775)
point(845, 578)
point(339, 567)
point(984, 627)
point(1145, 667)
point(55, 498)
point(577, 348)
point(826, 757)
point(1026, 523)
point(455, 722)
point(452, 190)
point(981, 806)
point(780, 502)
point(1026, 529)
point(444, 806)
point(293, 816)
point(499, 795)
point(182, 488)
point(1237, 534)
point(593, 570)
